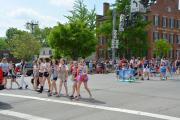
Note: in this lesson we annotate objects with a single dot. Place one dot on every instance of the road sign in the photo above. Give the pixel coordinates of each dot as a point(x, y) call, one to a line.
point(136, 6)
point(114, 34)
point(115, 43)
point(121, 23)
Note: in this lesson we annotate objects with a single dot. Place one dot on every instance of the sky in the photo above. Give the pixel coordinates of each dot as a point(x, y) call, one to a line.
point(15, 13)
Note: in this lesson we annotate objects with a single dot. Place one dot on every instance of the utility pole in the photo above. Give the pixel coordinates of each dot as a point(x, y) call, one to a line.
point(114, 36)
point(31, 25)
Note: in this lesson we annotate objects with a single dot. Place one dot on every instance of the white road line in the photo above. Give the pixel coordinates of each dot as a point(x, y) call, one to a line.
point(134, 112)
point(21, 115)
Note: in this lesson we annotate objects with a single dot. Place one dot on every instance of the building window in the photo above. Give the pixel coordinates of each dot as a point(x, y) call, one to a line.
point(171, 53)
point(145, 18)
point(155, 36)
point(164, 36)
point(178, 53)
point(171, 38)
point(178, 24)
point(156, 20)
point(164, 22)
point(178, 39)
point(50, 52)
point(171, 23)
point(6, 55)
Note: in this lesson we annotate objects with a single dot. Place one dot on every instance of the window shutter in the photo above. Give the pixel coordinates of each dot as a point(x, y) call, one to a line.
point(159, 21)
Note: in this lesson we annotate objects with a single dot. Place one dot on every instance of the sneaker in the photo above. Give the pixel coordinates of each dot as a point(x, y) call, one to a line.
point(49, 94)
point(26, 86)
point(71, 97)
point(55, 93)
point(20, 88)
point(40, 91)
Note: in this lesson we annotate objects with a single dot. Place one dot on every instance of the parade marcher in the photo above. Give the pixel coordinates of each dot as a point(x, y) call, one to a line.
point(63, 76)
point(47, 67)
point(90, 67)
point(13, 75)
point(163, 70)
point(146, 69)
point(82, 78)
point(177, 65)
point(54, 77)
point(5, 68)
point(23, 74)
point(74, 79)
point(41, 73)
point(35, 74)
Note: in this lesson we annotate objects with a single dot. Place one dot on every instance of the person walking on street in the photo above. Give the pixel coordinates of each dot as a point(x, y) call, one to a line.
point(54, 77)
point(23, 74)
point(47, 67)
point(82, 78)
point(13, 75)
point(5, 68)
point(63, 75)
point(74, 78)
point(35, 74)
point(41, 73)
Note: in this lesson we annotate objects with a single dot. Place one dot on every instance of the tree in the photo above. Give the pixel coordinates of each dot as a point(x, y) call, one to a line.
point(73, 39)
point(41, 34)
point(162, 47)
point(3, 44)
point(81, 13)
point(133, 40)
point(77, 37)
point(25, 46)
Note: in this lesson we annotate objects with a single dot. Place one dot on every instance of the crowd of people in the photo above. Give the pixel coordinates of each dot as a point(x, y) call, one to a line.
point(50, 70)
point(146, 68)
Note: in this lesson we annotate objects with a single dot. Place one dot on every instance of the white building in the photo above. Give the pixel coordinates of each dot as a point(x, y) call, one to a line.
point(45, 52)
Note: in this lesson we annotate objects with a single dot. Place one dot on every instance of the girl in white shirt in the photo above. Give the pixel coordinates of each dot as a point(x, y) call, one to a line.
point(47, 69)
point(41, 72)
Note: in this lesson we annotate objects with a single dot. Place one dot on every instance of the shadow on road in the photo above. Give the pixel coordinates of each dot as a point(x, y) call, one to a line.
point(92, 101)
point(5, 106)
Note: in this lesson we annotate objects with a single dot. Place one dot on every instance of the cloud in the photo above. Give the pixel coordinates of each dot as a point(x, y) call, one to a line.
point(62, 3)
point(28, 14)
point(17, 18)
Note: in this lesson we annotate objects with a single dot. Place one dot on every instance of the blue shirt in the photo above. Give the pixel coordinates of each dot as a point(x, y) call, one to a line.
point(5, 67)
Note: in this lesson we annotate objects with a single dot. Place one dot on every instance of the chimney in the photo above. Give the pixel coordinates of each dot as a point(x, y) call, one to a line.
point(105, 8)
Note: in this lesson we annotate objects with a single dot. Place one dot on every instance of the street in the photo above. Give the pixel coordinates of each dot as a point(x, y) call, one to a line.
point(112, 100)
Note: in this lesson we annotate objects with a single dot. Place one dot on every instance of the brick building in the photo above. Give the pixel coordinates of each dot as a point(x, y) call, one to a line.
point(102, 46)
point(165, 17)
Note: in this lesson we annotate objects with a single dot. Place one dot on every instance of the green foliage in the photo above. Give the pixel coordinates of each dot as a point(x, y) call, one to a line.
point(11, 32)
point(162, 47)
point(77, 37)
point(133, 40)
point(73, 39)
point(81, 13)
point(41, 34)
point(3, 44)
point(25, 46)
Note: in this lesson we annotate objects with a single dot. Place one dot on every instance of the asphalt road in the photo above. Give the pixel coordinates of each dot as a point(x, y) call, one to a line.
point(113, 100)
